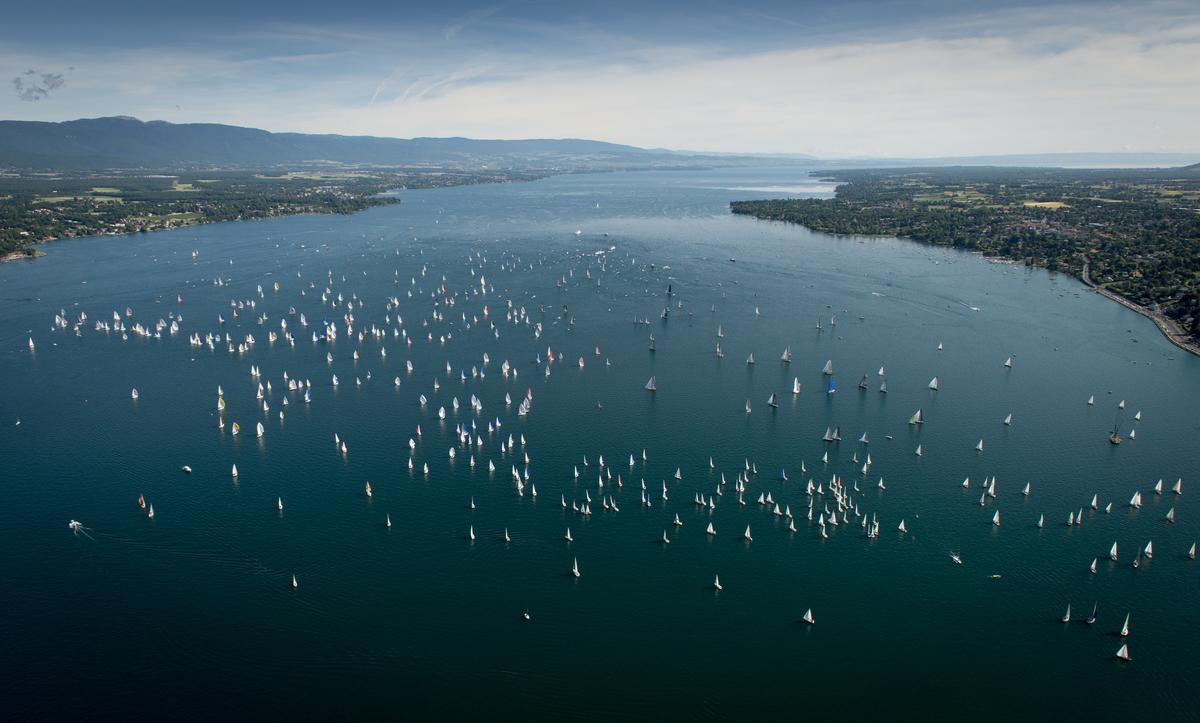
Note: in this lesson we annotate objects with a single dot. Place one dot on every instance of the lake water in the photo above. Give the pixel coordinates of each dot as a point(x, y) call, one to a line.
point(193, 614)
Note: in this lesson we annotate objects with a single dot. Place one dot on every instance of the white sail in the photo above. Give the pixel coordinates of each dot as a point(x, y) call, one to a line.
point(1112, 553)
point(575, 567)
point(1125, 626)
point(979, 446)
point(996, 519)
point(827, 370)
point(1067, 617)
point(651, 385)
point(808, 616)
point(901, 527)
point(1123, 652)
point(796, 385)
point(933, 384)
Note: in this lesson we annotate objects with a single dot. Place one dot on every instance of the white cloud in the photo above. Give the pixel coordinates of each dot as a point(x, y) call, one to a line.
point(918, 97)
point(1043, 81)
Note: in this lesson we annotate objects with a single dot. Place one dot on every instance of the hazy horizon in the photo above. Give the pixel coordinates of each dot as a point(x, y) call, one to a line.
point(919, 79)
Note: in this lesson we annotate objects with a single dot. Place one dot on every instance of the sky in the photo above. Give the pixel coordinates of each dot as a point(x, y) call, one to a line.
point(844, 78)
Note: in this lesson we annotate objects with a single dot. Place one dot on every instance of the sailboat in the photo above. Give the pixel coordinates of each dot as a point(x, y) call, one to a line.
point(1092, 401)
point(279, 503)
point(933, 384)
point(1192, 552)
point(1008, 363)
point(1025, 490)
point(716, 582)
point(1123, 652)
point(996, 518)
point(1092, 618)
point(787, 355)
point(1092, 567)
point(747, 534)
point(294, 583)
point(1066, 618)
point(651, 386)
point(387, 521)
point(831, 386)
point(575, 567)
point(827, 370)
point(1112, 554)
point(902, 528)
point(808, 617)
point(773, 401)
point(862, 384)
point(979, 446)
point(918, 417)
point(1125, 627)
point(711, 530)
point(1008, 421)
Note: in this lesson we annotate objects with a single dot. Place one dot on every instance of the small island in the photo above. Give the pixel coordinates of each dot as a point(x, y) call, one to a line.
point(1132, 234)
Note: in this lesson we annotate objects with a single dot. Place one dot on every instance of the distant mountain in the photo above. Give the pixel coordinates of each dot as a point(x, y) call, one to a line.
point(123, 142)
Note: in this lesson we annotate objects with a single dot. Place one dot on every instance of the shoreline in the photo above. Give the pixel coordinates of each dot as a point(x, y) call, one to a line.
point(1168, 327)
point(22, 256)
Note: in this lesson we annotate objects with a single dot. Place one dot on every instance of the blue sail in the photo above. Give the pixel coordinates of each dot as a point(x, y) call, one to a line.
point(831, 386)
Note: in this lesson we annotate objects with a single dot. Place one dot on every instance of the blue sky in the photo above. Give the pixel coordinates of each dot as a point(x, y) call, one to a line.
point(910, 78)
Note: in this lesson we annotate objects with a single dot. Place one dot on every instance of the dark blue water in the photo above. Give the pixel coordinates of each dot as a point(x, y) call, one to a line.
point(192, 613)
